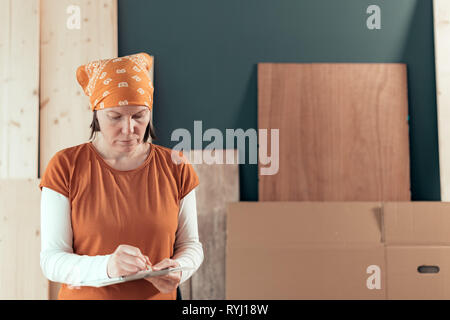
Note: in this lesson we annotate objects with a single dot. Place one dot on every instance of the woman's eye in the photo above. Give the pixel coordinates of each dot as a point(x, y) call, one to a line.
point(117, 118)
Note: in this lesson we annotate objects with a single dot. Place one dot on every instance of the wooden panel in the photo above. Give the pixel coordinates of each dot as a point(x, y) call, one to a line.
point(19, 88)
point(65, 115)
point(219, 185)
point(442, 56)
point(343, 131)
point(21, 276)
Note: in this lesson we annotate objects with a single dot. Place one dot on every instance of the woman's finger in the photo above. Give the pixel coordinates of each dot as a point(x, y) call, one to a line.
point(160, 283)
point(171, 276)
point(148, 260)
point(166, 263)
point(163, 285)
point(133, 260)
point(129, 268)
point(132, 251)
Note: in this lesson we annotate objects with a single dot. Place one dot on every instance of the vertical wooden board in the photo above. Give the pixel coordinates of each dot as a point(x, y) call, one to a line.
point(343, 131)
point(65, 114)
point(64, 108)
point(21, 276)
point(219, 185)
point(442, 56)
point(19, 88)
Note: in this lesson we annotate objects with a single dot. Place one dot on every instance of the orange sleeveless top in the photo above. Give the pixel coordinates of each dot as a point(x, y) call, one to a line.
point(110, 207)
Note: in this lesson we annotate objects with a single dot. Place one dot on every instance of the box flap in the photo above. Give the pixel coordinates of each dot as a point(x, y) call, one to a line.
point(275, 224)
point(417, 223)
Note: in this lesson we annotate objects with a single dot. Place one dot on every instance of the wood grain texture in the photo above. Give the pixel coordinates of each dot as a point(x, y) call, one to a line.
point(21, 276)
point(219, 185)
point(65, 115)
point(343, 131)
point(19, 88)
point(441, 10)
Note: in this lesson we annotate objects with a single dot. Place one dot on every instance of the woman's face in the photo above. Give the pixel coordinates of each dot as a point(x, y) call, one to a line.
point(123, 127)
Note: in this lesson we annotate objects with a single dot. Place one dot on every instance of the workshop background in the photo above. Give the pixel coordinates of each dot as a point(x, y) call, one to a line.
point(364, 149)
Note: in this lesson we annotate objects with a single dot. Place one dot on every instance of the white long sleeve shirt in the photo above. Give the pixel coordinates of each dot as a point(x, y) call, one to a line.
point(60, 264)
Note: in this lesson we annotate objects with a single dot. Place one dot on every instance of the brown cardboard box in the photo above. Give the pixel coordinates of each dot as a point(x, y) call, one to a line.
point(303, 250)
point(328, 250)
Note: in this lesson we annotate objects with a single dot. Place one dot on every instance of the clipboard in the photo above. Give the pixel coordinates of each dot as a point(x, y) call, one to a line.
point(137, 276)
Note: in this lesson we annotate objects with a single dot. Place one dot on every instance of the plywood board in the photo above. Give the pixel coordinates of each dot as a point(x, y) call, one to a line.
point(442, 56)
point(21, 276)
point(19, 88)
point(343, 132)
point(219, 185)
point(72, 34)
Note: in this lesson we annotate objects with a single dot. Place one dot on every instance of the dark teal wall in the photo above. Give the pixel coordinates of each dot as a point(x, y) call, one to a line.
point(206, 53)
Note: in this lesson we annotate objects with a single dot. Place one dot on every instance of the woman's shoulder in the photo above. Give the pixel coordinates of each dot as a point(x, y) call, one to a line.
point(69, 151)
point(70, 154)
point(170, 156)
point(180, 166)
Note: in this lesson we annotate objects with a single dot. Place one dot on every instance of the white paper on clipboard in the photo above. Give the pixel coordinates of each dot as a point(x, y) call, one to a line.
point(136, 276)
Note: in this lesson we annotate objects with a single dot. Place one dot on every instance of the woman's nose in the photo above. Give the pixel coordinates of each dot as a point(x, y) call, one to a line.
point(128, 126)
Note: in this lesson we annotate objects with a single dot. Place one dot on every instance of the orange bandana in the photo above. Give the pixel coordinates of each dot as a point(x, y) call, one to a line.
point(118, 82)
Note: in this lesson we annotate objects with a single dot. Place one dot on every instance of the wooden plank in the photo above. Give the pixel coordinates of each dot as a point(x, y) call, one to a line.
point(441, 10)
point(21, 276)
point(19, 88)
point(64, 109)
point(343, 131)
point(219, 185)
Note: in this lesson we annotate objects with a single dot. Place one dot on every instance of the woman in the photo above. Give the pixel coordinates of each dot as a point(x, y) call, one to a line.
point(119, 204)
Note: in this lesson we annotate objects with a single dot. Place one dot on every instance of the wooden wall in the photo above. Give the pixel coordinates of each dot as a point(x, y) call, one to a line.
point(442, 56)
point(19, 147)
point(19, 88)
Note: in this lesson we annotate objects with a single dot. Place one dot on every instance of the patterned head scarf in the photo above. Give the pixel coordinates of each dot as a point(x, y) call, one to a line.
point(118, 82)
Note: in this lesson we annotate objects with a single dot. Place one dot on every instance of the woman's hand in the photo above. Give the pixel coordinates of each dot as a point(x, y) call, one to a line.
point(126, 260)
point(168, 282)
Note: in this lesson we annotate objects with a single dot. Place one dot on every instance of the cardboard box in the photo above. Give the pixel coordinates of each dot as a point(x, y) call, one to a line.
point(338, 250)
